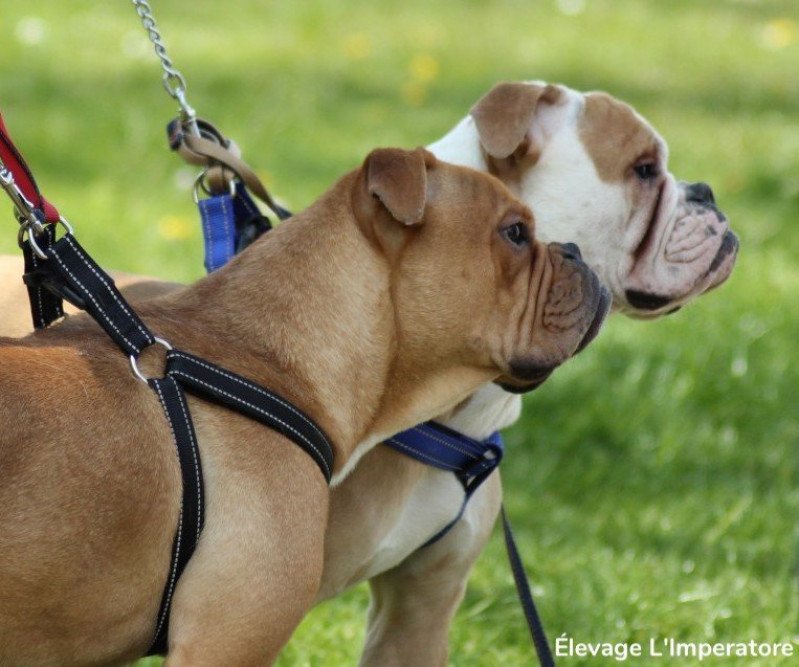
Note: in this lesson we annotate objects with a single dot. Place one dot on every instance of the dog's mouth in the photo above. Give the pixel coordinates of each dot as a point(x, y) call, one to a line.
point(650, 304)
point(602, 309)
point(686, 250)
point(522, 387)
point(645, 301)
point(525, 378)
point(727, 251)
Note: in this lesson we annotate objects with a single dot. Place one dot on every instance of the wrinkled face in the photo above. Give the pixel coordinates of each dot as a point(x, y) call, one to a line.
point(675, 243)
point(686, 249)
point(472, 283)
point(596, 174)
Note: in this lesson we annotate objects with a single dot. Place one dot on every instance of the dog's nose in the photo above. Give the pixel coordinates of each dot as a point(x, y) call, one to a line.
point(699, 193)
point(570, 251)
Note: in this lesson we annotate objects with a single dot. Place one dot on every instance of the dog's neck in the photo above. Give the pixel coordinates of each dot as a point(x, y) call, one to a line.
point(290, 313)
point(490, 408)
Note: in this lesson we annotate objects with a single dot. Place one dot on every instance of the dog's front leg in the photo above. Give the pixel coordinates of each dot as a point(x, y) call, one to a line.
point(413, 605)
point(258, 565)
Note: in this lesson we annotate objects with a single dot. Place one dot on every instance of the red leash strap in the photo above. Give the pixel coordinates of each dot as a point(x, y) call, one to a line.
point(23, 178)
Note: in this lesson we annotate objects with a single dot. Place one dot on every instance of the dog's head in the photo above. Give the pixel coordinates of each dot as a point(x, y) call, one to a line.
point(596, 173)
point(469, 282)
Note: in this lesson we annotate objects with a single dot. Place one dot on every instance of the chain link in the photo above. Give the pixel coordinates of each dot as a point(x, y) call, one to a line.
point(174, 83)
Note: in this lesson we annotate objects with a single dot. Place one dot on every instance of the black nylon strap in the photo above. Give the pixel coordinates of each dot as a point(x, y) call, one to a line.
point(71, 264)
point(537, 632)
point(192, 517)
point(251, 224)
point(70, 272)
point(46, 306)
point(238, 393)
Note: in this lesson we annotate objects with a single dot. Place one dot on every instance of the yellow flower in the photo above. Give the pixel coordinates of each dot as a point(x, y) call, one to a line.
point(266, 177)
point(175, 228)
point(779, 33)
point(414, 93)
point(424, 68)
point(358, 46)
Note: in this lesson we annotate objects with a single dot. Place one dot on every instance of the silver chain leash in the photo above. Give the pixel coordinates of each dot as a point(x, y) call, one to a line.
point(174, 83)
point(223, 163)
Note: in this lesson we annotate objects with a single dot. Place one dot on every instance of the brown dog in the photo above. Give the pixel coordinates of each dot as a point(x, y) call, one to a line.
point(405, 287)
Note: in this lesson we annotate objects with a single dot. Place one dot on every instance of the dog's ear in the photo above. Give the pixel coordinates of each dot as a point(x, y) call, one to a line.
point(505, 117)
point(398, 179)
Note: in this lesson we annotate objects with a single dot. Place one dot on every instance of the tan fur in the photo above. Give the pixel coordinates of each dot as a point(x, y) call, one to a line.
point(504, 116)
point(615, 137)
point(376, 327)
point(401, 187)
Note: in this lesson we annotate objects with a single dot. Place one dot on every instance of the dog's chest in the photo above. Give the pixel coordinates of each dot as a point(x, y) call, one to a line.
point(435, 502)
point(390, 527)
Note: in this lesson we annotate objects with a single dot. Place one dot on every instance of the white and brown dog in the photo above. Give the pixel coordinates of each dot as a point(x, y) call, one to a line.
point(596, 173)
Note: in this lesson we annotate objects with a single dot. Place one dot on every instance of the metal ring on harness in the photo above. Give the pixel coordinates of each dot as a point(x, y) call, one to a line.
point(200, 184)
point(32, 228)
point(134, 360)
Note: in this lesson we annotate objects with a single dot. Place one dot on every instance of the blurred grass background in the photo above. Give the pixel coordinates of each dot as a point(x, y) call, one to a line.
point(653, 481)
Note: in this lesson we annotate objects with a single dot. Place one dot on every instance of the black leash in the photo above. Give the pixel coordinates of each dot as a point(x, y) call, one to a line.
point(534, 623)
point(472, 462)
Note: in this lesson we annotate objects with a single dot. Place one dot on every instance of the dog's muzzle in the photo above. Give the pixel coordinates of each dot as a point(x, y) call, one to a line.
point(697, 256)
point(524, 377)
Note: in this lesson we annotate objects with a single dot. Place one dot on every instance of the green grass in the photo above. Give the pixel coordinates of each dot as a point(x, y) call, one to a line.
point(653, 481)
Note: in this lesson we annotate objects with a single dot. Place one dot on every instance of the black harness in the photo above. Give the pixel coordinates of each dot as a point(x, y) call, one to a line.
point(57, 270)
point(69, 272)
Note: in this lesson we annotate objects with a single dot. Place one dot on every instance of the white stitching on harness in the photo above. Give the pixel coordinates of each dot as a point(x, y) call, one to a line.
point(177, 353)
point(262, 411)
point(251, 209)
point(94, 301)
point(207, 232)
point(173, 569)
point(40, 312)
point(172, 573)
point(230, 229)
point(146, 334)
point(194, 454)
point(425, 455)
point(451, 445)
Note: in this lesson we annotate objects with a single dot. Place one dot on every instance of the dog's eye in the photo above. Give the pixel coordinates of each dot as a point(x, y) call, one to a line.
point(646, 171)
point(516, 234)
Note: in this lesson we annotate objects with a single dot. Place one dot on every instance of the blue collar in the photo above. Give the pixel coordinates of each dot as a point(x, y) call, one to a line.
point(438, 446)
